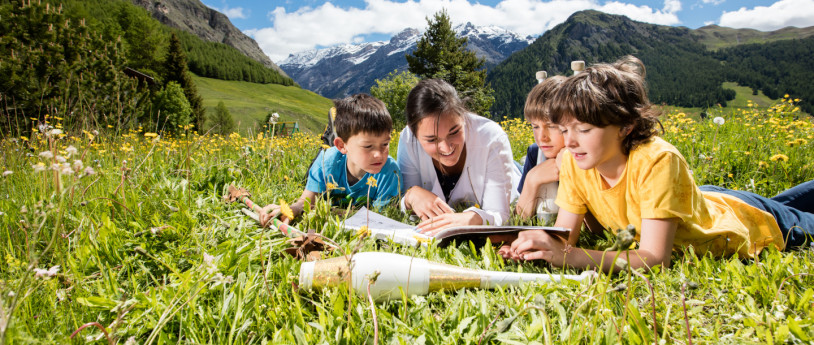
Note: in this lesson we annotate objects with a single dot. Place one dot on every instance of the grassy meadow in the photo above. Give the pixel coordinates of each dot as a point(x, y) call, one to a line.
point(249, 103)
point(127, 240)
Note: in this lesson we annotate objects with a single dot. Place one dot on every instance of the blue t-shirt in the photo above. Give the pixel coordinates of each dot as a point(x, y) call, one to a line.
point(531, 162)
point(331, 166)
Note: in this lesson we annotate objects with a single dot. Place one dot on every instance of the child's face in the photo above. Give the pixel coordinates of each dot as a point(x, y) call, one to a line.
point(548, 137)
point(366, 152)
point(442, 137)
point(594, 147)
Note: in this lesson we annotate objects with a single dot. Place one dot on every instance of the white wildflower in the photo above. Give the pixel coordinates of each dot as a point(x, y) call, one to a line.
point(66, 170)
point(89, 171)
point(61, 159)
point(46, 154)
point(54, 132)
point(7, 172)
point(702, 156)
point(11, 294)
point(55, 167)
point(43, 128)
point(209, 263)
point(220, 278)
point(274, 118)
point(44, 274)
point(71, 150)
point(131, 341)
point(718, 121)
point(77, 165)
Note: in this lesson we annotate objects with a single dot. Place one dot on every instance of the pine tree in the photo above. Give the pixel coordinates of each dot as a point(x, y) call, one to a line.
point(175, 69)
point(222, 121)
point(440, 54)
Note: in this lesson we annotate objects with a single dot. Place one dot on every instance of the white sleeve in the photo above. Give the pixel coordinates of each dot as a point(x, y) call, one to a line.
point(500, 176)
point(408, 163)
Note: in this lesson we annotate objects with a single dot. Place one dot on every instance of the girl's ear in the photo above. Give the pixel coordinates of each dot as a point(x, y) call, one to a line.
point(340, 145)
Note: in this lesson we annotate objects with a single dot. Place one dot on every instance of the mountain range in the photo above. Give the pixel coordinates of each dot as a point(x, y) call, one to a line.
point(347, 69)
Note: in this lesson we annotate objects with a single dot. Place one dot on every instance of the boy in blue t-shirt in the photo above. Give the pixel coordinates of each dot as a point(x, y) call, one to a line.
point(358, 165)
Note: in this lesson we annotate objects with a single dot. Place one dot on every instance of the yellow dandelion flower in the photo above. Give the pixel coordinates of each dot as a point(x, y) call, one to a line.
point(422, 239)
point(150, 134)
point(762, 164)
point(325, 146)
point(285, 210)
point(786, 96)
point(371, 181)
point(363, 231)
point(779, 157)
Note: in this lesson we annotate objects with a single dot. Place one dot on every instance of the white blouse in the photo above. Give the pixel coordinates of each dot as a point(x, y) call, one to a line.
point(489, 177)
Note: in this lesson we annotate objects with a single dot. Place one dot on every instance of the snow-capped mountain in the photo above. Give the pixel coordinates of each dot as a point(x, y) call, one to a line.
point(347, 69)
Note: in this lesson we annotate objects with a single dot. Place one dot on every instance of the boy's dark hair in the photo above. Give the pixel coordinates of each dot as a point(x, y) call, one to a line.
point(432, 97)
point(361, 113)
point(535, 108)
point(609, 94)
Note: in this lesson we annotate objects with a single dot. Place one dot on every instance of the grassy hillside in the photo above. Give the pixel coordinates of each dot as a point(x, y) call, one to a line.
point(249, 103)
point(716, 37)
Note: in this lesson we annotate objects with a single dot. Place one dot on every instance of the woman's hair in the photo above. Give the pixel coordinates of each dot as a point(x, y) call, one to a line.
point(361, 113)
point(535, 108)
point(609, 94)
point(432, 97)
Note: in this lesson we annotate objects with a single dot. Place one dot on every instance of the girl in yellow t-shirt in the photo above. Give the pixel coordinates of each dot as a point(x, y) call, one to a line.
point(622, 173)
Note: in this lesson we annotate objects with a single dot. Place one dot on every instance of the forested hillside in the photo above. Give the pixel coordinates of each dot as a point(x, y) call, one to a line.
point(107, 65)
point(776, 68)
point(146, 35)
point(681, 69)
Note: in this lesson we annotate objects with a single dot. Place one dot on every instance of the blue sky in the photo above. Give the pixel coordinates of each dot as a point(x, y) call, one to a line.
point(282, 27)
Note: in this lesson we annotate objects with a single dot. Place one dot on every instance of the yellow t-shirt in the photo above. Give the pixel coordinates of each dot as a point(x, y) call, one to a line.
point(657, 184)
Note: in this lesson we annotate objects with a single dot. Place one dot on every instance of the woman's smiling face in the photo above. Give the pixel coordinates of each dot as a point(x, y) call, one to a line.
point(442, 137)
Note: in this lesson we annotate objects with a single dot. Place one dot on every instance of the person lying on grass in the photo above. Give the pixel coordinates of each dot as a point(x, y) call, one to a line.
point(621, 172)
point(452, 158)
point(358, 165)
point(541, 171)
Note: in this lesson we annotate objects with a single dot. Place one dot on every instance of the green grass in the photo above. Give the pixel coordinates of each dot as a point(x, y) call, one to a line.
point(249, 103)
point(743, 96)
point(148, 250)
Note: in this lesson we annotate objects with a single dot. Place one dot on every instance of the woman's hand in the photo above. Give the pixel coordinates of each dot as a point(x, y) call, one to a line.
point(425, 204)
point(433, 225)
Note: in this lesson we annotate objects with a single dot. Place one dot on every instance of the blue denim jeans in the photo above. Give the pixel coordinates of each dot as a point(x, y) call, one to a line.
point(792, 209)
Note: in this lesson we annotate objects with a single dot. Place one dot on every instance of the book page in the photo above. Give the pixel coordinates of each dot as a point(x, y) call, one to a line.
point(384, 228)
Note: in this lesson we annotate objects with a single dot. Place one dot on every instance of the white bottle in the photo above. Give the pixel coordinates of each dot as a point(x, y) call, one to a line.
point(415, 276)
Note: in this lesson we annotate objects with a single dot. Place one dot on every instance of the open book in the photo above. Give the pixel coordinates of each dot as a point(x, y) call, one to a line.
point(384, 228)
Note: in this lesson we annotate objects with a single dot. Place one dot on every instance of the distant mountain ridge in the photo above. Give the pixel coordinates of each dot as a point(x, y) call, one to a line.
point(347, 69)
point(194, 17)
point(683, 69)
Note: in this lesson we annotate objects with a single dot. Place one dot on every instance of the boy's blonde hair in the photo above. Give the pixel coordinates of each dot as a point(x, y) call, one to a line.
point(536, 108)
point(609, 94)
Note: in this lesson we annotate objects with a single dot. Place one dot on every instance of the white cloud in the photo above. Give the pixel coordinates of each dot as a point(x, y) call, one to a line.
point(232, 13)
point(328, 25)
point(783, 13)
point(714, 2)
